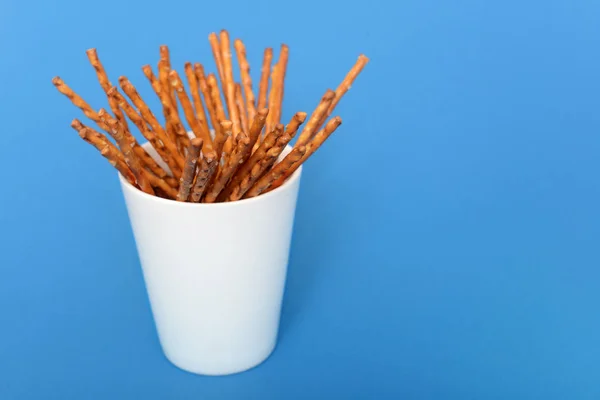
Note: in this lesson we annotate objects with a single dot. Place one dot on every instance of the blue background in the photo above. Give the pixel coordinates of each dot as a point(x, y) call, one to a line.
point(446, 240)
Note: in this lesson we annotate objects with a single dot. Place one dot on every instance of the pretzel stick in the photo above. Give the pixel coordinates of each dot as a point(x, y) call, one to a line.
point(266, 182)
point(273, 96)
point(239, 102)
point(163, 78)
point(265, 72)
point(315, 118)
point(199, 72)
point(281, 70)
point(345, 86)
point(149, 135)
point(259, 168)
point(312, 147)
point(108, 151)
point(176, 161)
point(188, 110)
point(206, 169)
point(106, 85)
point(216, 50)
point(229, 84)
point(253, 158)
point(88, 111)
point(226, 137)
point(161, 184)
point(95, 138)
point(125, 147)
point(240, 51)
point(189, 172)
point(226, 173)
point(171, 115)
point(213, 87)
point(198, 106)
point(166, 59)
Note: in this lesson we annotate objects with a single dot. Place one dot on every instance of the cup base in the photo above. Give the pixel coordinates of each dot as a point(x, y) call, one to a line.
point(232, 370)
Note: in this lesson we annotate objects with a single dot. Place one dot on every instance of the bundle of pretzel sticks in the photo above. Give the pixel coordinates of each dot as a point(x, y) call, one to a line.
point(233, 147)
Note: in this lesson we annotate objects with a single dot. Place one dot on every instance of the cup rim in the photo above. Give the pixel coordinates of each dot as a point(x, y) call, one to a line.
point(295, 176)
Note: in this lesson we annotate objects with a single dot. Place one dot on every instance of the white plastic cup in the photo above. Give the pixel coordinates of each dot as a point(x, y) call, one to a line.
point(215, 274)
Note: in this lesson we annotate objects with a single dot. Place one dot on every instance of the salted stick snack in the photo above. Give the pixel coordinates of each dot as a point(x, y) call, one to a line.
point(189, 172)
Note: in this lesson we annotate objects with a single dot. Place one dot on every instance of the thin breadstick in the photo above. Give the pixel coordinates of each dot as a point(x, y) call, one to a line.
point(166, 59)
point(257, 155)
point(147, 115)
point(266, 182)
point(239, 102)
point(315, 118)
point(188, 110)
point(95, 138)
point(171, 115)
point(257, 126)
point(226, 137)
point(145, 158)
point(206, 168)
point(189, 172)
point(88, 111)
point(199, 71)
point(149, 135)
point(229, 83)
point(130, 157)
point(281, 71)
point(216, 50)
point(106, 86)
point(161, 184)
point(225, 174)
point(108, 151)
point(273, 96)
point(345, 86)
point(312, 147)
point(259, 168)
point(195, 92)
point(265, 72)
point(220, 136)
point(240, 51)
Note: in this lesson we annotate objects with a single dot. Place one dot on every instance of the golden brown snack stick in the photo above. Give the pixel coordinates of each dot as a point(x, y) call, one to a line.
point(106, 85)
point(195, 92)
point(259, 168)
point(170, 113)
point(78, 102)
point(257, 126)
point(216, 50)
point(130, 157)
point(313, 146)
point(95, 138)
point(225, 174)
point(166, 60)
point(161, 184)
point(315, 118)
point(265, 72)
point(345, 86)
point(199, 72)
point(189, 172)
point(188, 110)
point(273, 96)
point(281, 71)
point(215, 95)
point(163, 77)
point(225, 137)
point(108, 151)
point(206, 169)
point(266, 182)
point(239, 103)
point(259, 154)
point(147, 115)
point(229, 83)
point(150, 136)
point(240, 51)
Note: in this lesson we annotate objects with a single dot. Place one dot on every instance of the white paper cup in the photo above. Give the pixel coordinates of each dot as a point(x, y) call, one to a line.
point(215, 274)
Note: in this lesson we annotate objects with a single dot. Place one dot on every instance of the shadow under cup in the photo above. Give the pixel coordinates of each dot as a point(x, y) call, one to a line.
point(215, 273)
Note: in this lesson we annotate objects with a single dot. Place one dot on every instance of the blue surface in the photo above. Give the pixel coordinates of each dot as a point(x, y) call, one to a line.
point(446, 241)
